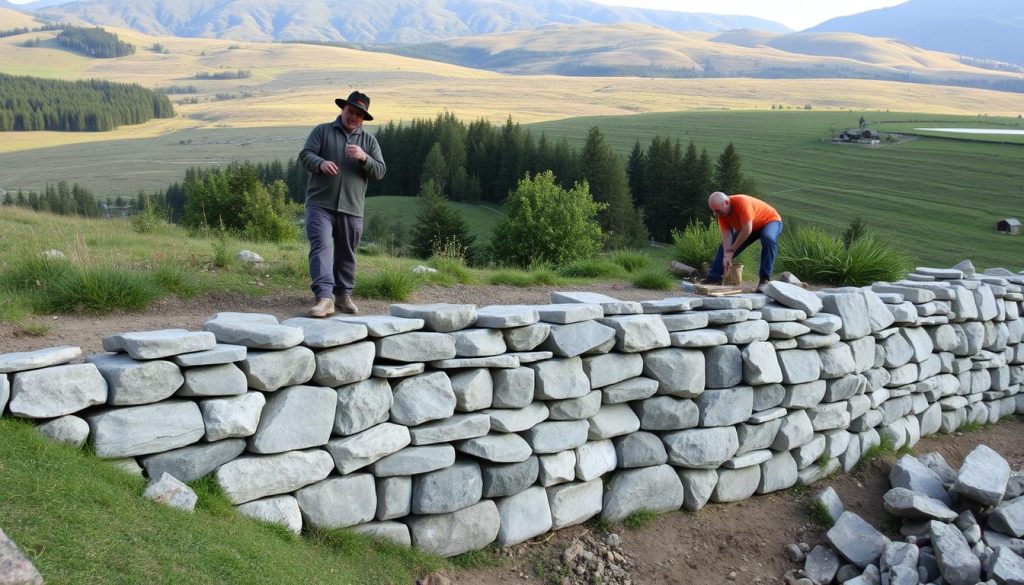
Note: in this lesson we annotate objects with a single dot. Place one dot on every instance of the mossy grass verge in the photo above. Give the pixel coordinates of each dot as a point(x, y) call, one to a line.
point(81, 520)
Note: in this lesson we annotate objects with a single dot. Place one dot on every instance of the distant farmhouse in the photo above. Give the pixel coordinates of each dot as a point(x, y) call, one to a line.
point(859, 136)
point(1010, 225)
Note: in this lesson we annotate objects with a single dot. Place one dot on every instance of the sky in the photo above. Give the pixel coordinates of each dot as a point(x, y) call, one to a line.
point(796, 14)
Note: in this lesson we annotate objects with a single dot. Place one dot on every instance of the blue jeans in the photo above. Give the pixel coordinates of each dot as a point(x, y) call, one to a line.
point(769, 236)
point(333, 238)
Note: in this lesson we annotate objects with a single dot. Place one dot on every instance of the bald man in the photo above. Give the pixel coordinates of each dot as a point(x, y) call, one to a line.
point(744, 220)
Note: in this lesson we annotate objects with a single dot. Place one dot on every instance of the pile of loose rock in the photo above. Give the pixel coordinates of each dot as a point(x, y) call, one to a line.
point(590, 559)
point(959, 528)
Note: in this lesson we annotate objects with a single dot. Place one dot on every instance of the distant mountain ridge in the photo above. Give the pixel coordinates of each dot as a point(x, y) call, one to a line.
point(982, 29)
point(367, 21)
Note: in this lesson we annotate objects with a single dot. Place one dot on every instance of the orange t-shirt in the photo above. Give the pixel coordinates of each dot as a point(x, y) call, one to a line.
point(745, 208)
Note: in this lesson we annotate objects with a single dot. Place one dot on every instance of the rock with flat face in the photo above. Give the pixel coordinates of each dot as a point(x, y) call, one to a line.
point(982, 477)
point(423, 398)
point(56, 391)
point(574, 339)
point(474, 389)
point(213, 380)
point(252, 477)
point(447, 535)
point(297, 417)
point(234, 416)
point(415, 460)
point(1008, 517)
point(516, 420)
point(655, 489)
point(42, 358)
point(904, 503)
point(574, 503)
point(856, 540)
point(69, 430)
point(701, 448)
point(253, 334)
point(132, 382)
point(723, 366)
point(382, 325)
point(324, 333)
point(760, 365)
point(612, 420)
point(283, 510)
point(609, 305)
point(18, 569)
point(636, 333)
point(678, 372)
point(168, 490)
point(496, 448)
point(271, 370)
point(151, 345)
point(195, 461)
point(909, 472)
point(640, 450)
point(512, 388)
point(141, 430)
point(506, 479)
point(221, 353)
point(957, 563)
point(523, 516)
point(417, 346)
point(440, 317)
point(793, 297)
point(362, 405)
point(347, 364)
point(454, 428)
point(478, 342)
point(361, 449)
point(612, 368)
point(338, 502)
point(556, 436)
point(526, 338)
point(506, 316)
point(559, 379)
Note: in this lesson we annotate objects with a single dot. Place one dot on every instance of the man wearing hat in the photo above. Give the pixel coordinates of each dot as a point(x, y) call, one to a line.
point(340, 158)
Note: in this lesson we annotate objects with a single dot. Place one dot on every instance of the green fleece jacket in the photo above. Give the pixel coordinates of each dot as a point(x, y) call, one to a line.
point(346, 191)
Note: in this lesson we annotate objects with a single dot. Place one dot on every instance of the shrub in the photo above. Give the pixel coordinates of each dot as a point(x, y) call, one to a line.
point(385, 231)
point(817, 256)
point(148, 220)
point(654, 279)
point(592, 268)
point(439, 225)
point(699, 242)
point(392, 285)
point(448, 261)
point(235, 198)
point(544, 222)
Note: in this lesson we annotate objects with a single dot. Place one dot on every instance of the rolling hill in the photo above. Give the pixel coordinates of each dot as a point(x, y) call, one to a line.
point(391, 21)
point(642, 50)
point(982, 29)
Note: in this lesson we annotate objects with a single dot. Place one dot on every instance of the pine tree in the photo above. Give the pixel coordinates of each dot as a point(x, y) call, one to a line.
point(728, 174)
point(635, 172)
point(434, 169)
point(603, 171)
point(439, 226)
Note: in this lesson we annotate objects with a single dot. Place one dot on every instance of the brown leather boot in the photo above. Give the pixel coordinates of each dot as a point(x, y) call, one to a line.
point(347, 306)
point(322, 308)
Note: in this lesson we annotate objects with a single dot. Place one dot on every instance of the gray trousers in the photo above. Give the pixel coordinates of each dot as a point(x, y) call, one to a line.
point(333, 238)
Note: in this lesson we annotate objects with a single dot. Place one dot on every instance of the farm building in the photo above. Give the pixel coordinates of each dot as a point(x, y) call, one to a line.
point(1010, 225)
point(859, 135)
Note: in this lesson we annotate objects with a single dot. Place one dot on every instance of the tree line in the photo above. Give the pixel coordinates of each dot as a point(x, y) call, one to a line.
point(94, 42)
point(33, 103)
point(62, 199)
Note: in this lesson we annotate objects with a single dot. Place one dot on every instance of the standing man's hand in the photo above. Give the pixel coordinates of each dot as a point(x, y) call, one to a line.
point(329, 168)
point(354, 151)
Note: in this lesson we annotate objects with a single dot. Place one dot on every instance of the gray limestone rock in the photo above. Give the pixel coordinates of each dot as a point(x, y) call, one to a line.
point(252, 477)
point(829, 500)
point(655, 489)
point(478, 342)
point(40, 358)
point(297, 417)
point(447, 535)
point(905, 503)
point(394, 497)
point(362, 405)
point(213, 380)
point(909, 472)
point(726, 316)
point(423, 398)
point(382, 325)
point(394, 532)
point(640, 449)
point(557, 468)
point(746, 332)
point(633, 389)
point(219, 353)
point(455, 428)
point(523, 516)
point(1005, 566)
point(957, 563)
point(836, 361)
point(735, 485)
point(253, 334)
point(526, 338)
point(823, 323)
point(678, 372)
point(610, 305)
point(514, 421)
point(698, 485)
point(1008, 517)
point(347, 364)
point(701, 448)
point(698, 338)
point(68, 430)
point(821, 564)
point(283, 510)
point(447, 490)
point(685, 321)
point(768, 396)
point(612, 420)
point(786, 329)
point(141, 430)
point(558, 379)
point(512, 388)
point(827, 416)
point(56, 391)
point(778, 473)
point(796, 430)
point(440, 317)
point(799, 365)
point(506, 479)
point(852, 310)
point(359, 450)
point(754, 437)
point(496, 448)
point(390, 371)
point(636, 333)
point(574, 503)
point(982, 477)
point(577, 338)
point(415, 460)
point(856, 540)
point(169, 491)
point(417, 346)
point(324, 333)
point(474, 389)
point(506, 316)
point(760, 365)
point(271, 370)
point(667, 413)
point(612, 368)
point(723, 366)
point(234, 416)
point(777, 313)
point(575, 408)
point(594, 459)
point(195, 461)
point(151, 345)
point(793, 297)
point(555, 436)
point(338, 502)
point(5, 392)
point(727, 407)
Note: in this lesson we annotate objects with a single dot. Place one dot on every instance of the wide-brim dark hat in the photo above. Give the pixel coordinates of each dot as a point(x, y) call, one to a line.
point(357, 100)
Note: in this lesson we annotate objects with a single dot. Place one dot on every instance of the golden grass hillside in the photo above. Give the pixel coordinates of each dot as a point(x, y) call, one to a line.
point(11, 19)
point(295, 85)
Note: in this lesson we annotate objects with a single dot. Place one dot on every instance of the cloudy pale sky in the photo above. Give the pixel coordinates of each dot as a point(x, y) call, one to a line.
point(796, 14)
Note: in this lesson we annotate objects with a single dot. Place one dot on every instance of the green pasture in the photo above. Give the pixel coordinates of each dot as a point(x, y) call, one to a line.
point(482, 219)
point(938, 198)
point(920, 128)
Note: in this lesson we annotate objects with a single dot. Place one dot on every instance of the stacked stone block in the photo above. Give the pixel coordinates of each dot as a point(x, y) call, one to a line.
point(448, 427)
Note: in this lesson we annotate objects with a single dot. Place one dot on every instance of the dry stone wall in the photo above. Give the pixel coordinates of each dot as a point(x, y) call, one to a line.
point(448, 427)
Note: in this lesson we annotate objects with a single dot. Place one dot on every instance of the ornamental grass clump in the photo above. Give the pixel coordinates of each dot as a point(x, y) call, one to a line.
point(818, 256)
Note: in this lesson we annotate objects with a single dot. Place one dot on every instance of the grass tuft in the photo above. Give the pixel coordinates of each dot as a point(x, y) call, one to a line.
point(640, 519)
point(450, 270)
point(392, 284)
point(820, 515)
point(175, 280)
point(98, 290)
point(592, 268)
point(816, 255)
point(631, 260)
point(654, 279)
point(882, 449)
point(489, 556)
